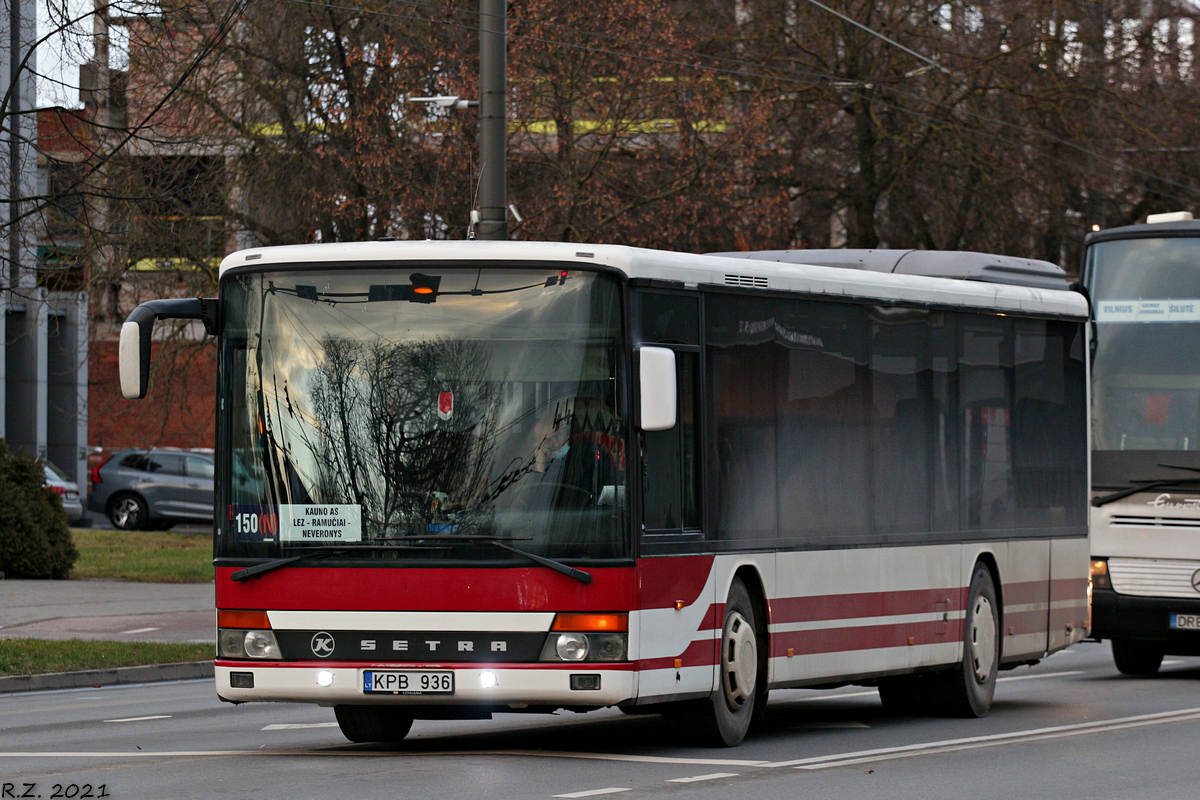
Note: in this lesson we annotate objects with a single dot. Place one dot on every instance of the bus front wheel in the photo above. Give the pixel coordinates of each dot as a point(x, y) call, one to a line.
point(723, 719)
point(967, 690)
point(373, 723)
point(1136, 658)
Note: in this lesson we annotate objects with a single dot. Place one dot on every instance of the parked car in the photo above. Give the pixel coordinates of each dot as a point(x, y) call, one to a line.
point(141, 489)
point(61, 484)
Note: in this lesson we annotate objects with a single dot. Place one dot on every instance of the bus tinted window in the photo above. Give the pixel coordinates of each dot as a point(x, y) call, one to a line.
point(844, 424)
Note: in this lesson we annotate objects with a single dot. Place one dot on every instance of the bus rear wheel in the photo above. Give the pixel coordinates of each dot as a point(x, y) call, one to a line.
point(373, 723)
point(1136, 658)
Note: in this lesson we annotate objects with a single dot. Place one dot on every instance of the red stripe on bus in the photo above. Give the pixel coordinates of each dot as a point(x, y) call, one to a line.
point(664, 581)
point(814, 608)
point(867, 637)
point(697, 654)
point(429, 589)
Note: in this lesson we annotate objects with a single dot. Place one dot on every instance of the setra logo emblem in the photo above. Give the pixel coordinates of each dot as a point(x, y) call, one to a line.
point(322, 644)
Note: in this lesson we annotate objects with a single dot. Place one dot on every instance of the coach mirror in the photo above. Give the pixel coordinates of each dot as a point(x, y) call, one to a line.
point(133, 353)
point(656, 406)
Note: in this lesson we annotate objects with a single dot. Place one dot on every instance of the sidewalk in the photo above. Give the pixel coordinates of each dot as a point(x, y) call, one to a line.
point(109, 611)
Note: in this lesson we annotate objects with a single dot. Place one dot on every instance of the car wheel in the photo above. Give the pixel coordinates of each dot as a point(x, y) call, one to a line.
point(373, 723)
point(1136, 658)
point(127, 512)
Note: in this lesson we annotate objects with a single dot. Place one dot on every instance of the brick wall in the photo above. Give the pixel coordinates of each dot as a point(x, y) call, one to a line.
point(178, 411)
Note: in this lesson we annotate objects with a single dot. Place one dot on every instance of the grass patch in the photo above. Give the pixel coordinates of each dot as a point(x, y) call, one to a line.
point(38, 656)
point(148, 557)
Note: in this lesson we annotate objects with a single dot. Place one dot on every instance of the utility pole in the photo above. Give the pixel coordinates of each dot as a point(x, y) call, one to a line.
point(493, 120)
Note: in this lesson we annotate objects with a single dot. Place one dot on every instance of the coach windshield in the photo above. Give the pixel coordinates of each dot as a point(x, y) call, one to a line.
point(402, 412)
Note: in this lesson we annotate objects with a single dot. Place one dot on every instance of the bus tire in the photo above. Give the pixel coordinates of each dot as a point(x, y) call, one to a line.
point(1136, 658)
point(967, 690)
point(373, 723)
point(723, 719)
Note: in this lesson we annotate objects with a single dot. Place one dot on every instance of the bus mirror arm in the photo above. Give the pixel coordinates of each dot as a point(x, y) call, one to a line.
point(133, 354)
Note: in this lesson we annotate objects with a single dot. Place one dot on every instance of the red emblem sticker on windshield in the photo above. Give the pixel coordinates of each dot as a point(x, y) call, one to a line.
point(446, 405)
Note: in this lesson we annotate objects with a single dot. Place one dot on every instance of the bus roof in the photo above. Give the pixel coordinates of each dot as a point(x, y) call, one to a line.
point(1156, 230)
point(957, 285)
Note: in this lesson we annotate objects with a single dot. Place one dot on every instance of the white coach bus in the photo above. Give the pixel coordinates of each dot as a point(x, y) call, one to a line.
point(1144, 282)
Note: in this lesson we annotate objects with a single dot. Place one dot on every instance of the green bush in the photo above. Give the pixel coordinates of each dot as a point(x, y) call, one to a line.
point(35, 541)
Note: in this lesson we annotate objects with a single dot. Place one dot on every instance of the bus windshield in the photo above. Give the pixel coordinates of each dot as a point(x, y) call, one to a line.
point(422, 413)
point(1146, 370)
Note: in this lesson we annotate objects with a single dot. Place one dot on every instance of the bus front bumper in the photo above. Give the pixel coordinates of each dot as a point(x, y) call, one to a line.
point(533, 685)
point(1144, 619)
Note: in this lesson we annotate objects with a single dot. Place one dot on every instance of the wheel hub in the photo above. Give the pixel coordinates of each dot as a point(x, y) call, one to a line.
point(982, 638)
point(739, 661)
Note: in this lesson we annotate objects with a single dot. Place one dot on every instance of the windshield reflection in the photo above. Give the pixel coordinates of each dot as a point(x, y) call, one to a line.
point(486, 406)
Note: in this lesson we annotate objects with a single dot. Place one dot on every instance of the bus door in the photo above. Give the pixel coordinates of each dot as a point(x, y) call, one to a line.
point(672, 505)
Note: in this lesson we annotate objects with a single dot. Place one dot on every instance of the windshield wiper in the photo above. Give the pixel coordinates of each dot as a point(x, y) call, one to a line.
point(499, 541)
point(258, 570)
point(1142, 486)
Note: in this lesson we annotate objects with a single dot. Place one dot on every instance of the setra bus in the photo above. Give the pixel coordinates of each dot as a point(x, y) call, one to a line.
point(1144, 281)
point(461, 478)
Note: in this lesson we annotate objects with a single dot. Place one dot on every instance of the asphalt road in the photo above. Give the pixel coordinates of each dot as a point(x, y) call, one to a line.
point(1069, 728)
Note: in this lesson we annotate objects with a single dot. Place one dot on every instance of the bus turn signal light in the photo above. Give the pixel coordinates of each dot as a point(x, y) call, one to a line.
point(591, 622)
point(227, 618)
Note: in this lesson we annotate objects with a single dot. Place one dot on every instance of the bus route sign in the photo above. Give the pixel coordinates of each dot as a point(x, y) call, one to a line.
point(320, 523)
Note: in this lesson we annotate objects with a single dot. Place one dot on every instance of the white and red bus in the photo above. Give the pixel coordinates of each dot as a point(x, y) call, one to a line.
point(459, 478)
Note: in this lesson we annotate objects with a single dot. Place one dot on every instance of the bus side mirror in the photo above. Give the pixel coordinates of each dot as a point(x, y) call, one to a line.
point(133, 353)
point(656, 406)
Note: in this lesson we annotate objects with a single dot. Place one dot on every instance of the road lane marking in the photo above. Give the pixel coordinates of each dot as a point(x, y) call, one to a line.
point(816, 762)
point(139, 630)
point(140, 719)
point(713, 777)
point(282, 726)
point(716, 762)
point(871, 692)
point(1041, 675)
point(976, 742)
point(592, 792)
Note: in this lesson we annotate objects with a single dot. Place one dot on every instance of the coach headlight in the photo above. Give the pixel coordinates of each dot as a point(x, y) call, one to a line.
point(587, 637)
point(232, 643)
point(571, 646)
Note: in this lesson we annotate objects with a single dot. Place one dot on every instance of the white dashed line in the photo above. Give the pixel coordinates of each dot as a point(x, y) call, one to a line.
point(712, 777)
point(592, 792)
point(281, 726)
point(138, 630)
point(140, 719)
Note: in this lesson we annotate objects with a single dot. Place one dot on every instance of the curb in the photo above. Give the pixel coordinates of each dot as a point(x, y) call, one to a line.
point(106, 677)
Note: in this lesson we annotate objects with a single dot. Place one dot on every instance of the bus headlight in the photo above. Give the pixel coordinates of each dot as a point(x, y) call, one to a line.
point(587, 637)
point(571, 646)
point(584, 647)
point(1100, 578)
point(232, 643)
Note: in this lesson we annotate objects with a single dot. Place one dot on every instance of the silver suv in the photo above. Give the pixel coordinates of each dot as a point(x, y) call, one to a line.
point(142, 489)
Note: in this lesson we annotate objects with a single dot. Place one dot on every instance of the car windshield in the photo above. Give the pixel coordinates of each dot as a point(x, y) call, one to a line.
point(374, 407)
point(1146, 369)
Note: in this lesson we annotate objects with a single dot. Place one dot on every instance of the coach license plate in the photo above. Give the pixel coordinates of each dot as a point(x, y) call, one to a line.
point(1185, 622)
point(408, 682)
